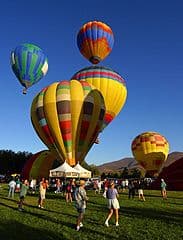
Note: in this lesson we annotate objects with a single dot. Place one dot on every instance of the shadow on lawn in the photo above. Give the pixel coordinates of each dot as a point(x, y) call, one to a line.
point(15, 230)
point(40, 215)
point(159, 196)
point(149, 213)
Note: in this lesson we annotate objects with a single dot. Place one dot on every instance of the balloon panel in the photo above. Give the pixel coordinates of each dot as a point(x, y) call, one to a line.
point(67, 116)
point(95, 41)
point(110, 84)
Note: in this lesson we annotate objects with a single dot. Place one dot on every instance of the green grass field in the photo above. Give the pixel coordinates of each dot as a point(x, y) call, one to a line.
point(153, 219)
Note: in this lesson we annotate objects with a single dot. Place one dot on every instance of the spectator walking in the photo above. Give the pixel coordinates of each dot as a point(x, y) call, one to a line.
point(43, 185)
point(80, 204)
point(58, 185)
point(99, 187)
point(17, 188)
point(131, 190)
point(140, 190)
point(23, 192)
point(12, 185)
point(33, 186)
point(163, 189)
point(105, 185)
point(68, 190)
point(113, 204)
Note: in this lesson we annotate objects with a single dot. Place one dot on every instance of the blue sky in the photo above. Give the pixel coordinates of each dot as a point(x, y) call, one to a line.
point(148, 53)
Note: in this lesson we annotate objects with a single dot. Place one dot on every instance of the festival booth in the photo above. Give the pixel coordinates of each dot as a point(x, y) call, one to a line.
point(65, 170)
point(83, 173)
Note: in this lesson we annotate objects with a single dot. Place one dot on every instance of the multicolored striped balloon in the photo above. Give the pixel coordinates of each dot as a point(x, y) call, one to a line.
point(95, 41)
point(38, 165)
point(68, 116)
point(29, 64)
point(110, 84)
point(150, 149)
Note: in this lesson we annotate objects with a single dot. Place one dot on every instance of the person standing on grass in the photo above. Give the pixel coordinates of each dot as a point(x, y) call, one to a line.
point(23, 192)
point(80, 204)
point(163, 189)
point(42, 192)
point(113, 203)
point(17, 188)
point(58, 185)
point(140, 191)
point(131, 189)
point(68, 195)
point(12, 185)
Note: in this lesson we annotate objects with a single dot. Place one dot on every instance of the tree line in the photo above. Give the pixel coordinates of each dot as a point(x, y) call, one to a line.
point(123, 174)
point(12, 162)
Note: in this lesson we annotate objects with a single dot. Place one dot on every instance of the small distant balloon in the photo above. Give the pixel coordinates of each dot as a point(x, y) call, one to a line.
point(150, 149)
point(95, 41)
point(29, 64)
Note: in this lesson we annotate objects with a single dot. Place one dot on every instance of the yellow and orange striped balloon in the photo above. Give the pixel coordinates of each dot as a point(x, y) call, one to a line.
point(95, 41)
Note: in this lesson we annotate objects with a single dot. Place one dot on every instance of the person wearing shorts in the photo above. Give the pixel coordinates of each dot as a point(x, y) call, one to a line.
point(23, 191)
point(113, 203)
point(80, 204)
point(140, 191)
point(163, 189)
point(42, 192)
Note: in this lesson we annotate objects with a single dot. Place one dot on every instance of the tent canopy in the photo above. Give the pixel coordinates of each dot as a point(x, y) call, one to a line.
point(64, 170)
point(83, 173)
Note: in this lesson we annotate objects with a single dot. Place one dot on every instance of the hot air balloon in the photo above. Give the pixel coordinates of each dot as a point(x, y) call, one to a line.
point(38, 165)
point(95, 41)
point(68, 116)
point(110, 84)
point(29, 64)
point(150, 149)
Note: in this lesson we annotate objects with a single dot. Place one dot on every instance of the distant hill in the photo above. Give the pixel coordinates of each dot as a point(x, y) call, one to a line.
point(118, 165)
point(131, 163)
point(172, 157)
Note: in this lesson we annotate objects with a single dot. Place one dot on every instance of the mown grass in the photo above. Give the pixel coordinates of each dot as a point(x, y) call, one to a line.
point(153, 219)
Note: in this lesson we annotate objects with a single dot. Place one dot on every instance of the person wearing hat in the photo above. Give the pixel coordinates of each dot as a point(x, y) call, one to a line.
point(113, 203)
point(163, 189)
point(80, 204)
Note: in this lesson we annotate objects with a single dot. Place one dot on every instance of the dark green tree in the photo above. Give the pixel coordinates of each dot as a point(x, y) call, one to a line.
point(124, 173)
point(11, 162)
point(135, 173)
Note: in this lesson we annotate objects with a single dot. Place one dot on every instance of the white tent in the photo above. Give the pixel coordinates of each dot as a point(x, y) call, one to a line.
point(65, 170)
point(83, 173)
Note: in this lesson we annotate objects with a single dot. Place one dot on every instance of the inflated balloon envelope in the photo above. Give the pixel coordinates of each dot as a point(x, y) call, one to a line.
point(68, 116)
point(95, 41)
point(110, 84)
point(38, 165)
point(29, 64)
point(150, 149)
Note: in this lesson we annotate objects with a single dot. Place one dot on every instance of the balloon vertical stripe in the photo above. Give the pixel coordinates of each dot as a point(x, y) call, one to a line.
point(29, 64)
point(110, 84)
point(66, 116)
point(95, 41)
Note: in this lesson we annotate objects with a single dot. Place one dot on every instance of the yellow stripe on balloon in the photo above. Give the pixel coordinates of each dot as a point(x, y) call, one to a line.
point(50, 110)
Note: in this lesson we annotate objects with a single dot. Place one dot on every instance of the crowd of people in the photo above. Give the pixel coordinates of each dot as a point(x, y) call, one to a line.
point(74, 191)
